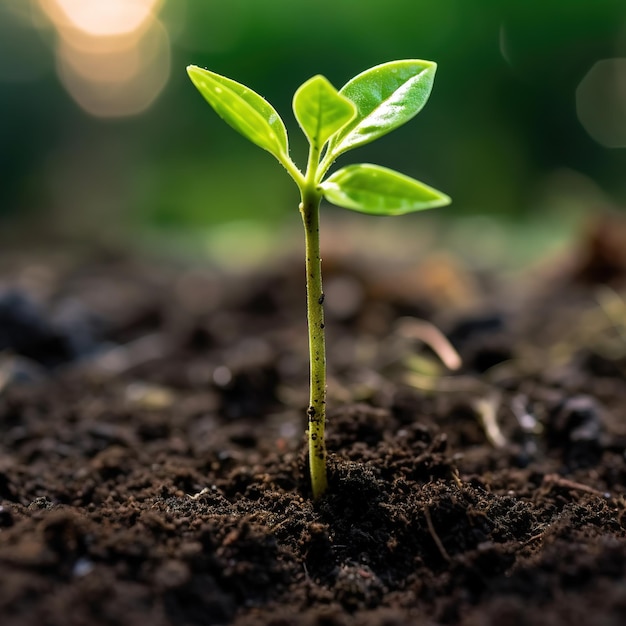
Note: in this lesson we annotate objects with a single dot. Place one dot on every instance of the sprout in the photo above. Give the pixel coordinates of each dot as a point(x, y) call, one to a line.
point(369, 106)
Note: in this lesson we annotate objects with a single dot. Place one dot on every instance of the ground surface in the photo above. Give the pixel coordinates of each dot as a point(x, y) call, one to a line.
point(152, 465)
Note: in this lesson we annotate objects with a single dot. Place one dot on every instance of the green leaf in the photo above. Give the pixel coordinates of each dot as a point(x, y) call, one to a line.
point(380, 191)
point(321, 110)
point(386, 96)
point(243, 109)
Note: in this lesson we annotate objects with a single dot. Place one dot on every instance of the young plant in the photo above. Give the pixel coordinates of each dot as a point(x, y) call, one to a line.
point(369, 106)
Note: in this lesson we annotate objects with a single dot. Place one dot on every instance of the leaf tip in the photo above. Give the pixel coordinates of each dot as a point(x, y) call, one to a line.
point(193, 71)
point(440, 199)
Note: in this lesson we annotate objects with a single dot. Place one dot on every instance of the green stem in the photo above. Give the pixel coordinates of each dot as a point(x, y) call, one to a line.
point(292, 170)
point(309, 208)
point(327, 161)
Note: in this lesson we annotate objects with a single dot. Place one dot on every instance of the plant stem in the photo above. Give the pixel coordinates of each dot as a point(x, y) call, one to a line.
point(309, 208)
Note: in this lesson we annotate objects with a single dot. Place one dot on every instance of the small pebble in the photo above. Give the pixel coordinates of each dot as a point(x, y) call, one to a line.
point(148, 396)
point(82, 567)
point(172, 574)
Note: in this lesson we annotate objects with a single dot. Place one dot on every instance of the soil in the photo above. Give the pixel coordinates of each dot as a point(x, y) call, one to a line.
point(153, 461)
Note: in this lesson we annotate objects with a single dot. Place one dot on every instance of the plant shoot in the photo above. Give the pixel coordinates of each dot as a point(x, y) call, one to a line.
point(369, 106)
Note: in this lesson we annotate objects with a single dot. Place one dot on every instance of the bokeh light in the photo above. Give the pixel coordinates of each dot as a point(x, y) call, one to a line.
point(601, 102)
point(100, 19)
point(112, 57)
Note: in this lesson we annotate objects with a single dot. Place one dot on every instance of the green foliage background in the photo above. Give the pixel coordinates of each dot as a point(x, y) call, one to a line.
point(501, 125)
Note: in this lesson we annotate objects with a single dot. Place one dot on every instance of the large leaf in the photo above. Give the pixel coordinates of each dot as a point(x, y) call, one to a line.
point(243, 109)
point(386, 96)
point(380, 191)
point(321, 110)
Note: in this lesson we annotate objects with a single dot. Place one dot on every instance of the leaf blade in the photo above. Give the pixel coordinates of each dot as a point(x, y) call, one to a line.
point(378, 190)
point(386, 96)
point(320, 110)
point(244, 110)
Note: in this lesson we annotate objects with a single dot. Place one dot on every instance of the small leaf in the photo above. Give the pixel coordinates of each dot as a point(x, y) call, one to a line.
point(243, 109)
point(380, 191)
point(386, 96)
point(321, 110)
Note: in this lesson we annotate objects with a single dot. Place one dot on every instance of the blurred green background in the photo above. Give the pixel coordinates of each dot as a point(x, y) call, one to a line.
point(101, 132)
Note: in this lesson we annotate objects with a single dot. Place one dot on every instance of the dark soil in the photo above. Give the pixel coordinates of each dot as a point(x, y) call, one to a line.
point(152, 450)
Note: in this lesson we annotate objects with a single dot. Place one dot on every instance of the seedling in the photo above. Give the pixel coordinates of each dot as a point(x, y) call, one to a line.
point(369, 106)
